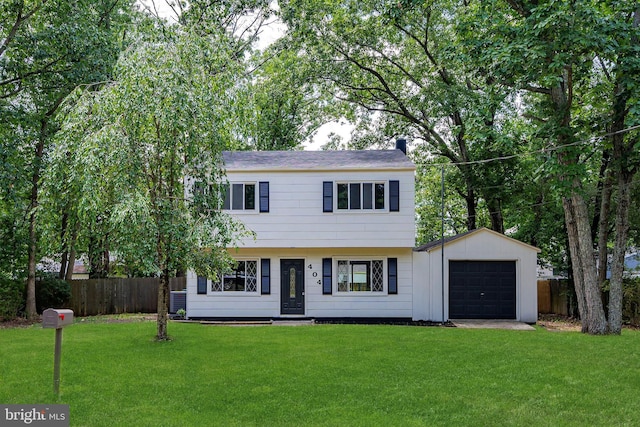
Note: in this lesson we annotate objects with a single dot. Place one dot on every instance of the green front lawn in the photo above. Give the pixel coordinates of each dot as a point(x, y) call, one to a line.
point(334, 375)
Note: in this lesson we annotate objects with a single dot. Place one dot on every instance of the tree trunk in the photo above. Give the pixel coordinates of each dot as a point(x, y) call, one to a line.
point(537, 218)
point(577, 216)
point(68, 275)
point(64, 262)
point(99, 254)
point(72, 252)
point(584, 267)
point(470, 200)
point(63, 258)
point(163, 305)
point(30, 308)
point(495, 212)
point(604, 178)
point(603, 226)
point(619, 251)
point(576, 265)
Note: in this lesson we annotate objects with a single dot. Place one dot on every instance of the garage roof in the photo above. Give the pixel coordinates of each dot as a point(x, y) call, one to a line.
point(436, 244)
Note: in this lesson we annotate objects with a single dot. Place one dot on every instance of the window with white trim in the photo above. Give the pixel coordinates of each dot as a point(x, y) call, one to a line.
point(239, 196)
point(360, 276)
point(243, 277)
point(360, 195)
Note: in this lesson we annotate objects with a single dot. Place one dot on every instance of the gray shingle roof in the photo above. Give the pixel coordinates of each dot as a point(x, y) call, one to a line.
point(427, 247)
point(436, 243)
point(316, 160)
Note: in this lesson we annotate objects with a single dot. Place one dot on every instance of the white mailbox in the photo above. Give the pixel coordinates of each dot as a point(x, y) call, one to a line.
point(57, 318)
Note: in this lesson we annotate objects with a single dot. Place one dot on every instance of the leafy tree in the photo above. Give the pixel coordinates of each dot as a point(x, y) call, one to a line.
point(277, 115)
point(429, 213)
point(161, 119)
point(555, 51)
point(48, 48)
point(397, 64)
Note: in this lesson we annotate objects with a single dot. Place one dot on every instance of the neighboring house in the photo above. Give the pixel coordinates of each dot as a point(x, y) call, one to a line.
point(53, 267)
point(79, 271)
point(334, 238)
point(631, 266)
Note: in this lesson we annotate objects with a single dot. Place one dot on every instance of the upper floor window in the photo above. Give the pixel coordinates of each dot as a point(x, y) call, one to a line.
point(239, 196)
point(361, 195)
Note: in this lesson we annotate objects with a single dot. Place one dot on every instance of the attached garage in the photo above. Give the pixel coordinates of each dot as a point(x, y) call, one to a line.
point(480, 274)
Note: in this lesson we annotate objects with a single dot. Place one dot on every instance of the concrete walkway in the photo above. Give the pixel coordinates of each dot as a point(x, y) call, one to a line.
point(492, 324)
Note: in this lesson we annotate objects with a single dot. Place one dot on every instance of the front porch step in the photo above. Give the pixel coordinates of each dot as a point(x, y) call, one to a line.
point(292, 322)
point(236, 322)
point(274, 322)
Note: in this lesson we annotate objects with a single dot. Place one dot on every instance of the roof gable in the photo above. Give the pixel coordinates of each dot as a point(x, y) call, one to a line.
point(436, 244)
point(316, 160)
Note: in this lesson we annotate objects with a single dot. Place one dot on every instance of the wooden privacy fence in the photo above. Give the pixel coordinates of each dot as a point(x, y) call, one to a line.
point(554, 297)
point(114, 296)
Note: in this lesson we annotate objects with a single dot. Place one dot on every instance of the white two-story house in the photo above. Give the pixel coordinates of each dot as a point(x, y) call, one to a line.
point(334, 238)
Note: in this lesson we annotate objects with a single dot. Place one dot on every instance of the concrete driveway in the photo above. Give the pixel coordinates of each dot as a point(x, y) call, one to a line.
point(492, 324)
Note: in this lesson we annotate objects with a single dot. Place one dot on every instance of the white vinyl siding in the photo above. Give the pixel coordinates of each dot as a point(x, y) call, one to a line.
point(297, 215)
point(317, 304)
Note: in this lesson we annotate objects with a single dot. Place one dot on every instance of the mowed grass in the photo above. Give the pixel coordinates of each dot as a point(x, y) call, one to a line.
point(325, 375)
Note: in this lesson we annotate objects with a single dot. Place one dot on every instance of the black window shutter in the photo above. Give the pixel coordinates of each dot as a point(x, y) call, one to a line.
point(226, 193)
point(327, 196)
point(265, 276)
point(326, 276)
point(202, 285)
point(392, 272)
point(264, 196)
point(394, 196)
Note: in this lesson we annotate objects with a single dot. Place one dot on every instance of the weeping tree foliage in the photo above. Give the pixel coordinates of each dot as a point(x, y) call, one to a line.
point(134, 142)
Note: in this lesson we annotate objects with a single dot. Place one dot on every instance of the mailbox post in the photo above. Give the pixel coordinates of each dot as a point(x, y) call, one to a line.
point(57, 319)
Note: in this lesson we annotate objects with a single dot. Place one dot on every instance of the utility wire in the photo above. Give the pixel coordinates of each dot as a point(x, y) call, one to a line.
point(541, 151)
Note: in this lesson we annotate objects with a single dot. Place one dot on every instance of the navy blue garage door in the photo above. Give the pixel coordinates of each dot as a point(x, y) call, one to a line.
point(482, 289)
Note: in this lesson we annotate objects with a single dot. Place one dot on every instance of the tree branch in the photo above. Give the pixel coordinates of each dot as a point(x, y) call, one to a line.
point(20, 19)
point(536, 89)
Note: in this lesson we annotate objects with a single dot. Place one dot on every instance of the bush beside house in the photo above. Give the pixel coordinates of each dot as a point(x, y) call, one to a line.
point(51, 292)
point(12, 300)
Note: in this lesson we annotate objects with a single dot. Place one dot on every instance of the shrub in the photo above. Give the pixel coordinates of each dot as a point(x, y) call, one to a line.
point(51, 292)
point(631, 301)
point(12, 301)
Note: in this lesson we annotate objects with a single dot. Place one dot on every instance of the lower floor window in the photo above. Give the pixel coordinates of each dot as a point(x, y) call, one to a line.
point(242, 278)
point(360, 276)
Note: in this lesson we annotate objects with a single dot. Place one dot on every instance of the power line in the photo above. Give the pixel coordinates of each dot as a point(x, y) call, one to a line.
point(541, 151)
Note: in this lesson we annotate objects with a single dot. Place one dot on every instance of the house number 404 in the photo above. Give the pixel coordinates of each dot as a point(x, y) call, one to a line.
point(314, 274)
